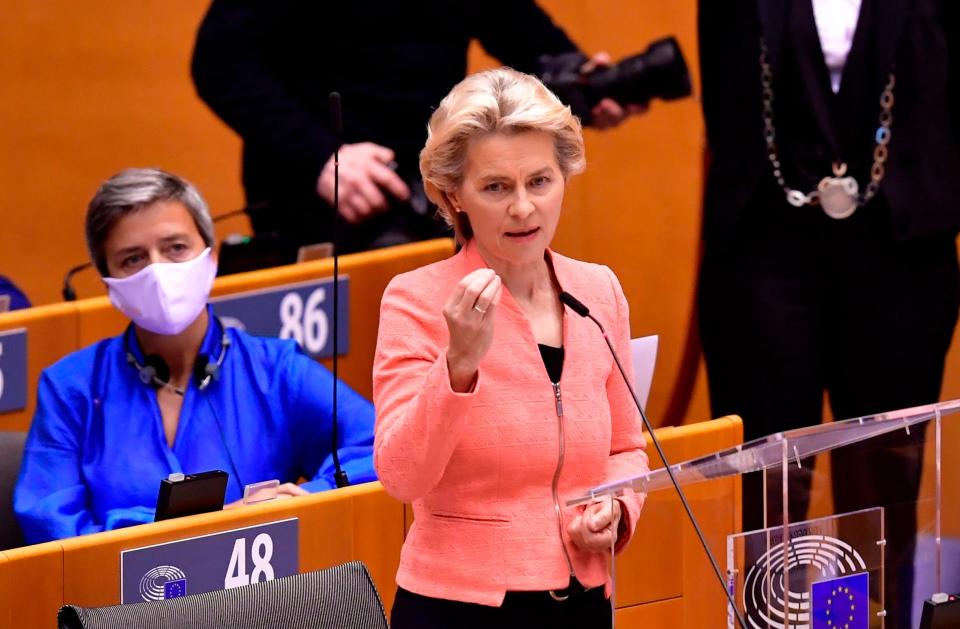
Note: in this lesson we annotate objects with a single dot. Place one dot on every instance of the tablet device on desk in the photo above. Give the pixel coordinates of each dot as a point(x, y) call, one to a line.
point(190, 494)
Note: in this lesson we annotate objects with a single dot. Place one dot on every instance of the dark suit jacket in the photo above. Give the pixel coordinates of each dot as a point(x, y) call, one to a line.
point(266, 67)
point(920, 39)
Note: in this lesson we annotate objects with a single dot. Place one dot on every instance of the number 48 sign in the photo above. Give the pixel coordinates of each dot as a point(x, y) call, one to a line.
point(261, 553)
point(225, 560)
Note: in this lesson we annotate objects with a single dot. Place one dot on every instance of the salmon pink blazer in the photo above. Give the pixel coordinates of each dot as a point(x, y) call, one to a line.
point(479, 467)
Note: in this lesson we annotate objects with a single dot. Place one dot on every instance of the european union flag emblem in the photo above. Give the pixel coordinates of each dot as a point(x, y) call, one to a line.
point(175, 589)
point(842, 603)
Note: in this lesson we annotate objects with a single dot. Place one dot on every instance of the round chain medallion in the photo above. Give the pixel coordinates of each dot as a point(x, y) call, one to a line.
point(838, 196)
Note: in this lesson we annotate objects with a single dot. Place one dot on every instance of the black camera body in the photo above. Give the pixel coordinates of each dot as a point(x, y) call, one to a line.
point(660, 71)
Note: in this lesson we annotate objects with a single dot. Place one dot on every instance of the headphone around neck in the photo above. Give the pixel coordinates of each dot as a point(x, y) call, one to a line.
point(155, 371)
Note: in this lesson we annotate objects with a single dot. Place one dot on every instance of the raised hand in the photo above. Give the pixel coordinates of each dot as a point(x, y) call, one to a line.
point(469, 313)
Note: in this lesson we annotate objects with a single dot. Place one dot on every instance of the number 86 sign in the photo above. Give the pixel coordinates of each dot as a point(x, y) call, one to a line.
point(303, 312)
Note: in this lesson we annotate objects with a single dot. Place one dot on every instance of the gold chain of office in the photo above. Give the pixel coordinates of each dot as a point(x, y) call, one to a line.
point(838, 195)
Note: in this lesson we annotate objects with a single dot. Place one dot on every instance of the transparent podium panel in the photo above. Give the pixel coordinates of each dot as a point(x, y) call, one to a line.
point(885, 489)
point(886, 471)
point(828, 574)
point(937, 552)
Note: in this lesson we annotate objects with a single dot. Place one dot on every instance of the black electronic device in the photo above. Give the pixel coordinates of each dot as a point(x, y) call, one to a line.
point(241, 254)
point(660, 71)
point(941, 611)
point(190, 494)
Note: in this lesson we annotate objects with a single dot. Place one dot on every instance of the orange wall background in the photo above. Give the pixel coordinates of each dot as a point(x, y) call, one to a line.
point(86, 89)
point(89, 88)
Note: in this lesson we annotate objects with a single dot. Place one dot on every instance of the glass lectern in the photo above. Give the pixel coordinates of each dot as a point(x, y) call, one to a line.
point(862, 519)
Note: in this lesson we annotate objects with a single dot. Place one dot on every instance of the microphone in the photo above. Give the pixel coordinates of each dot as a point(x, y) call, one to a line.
point(336, 116)
point(577, 306)
point(574, 304)
point(247, 209)
point(67, 291)
point(336, 127)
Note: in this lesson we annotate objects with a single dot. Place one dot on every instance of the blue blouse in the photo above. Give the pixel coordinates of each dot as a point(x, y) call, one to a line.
point(96, 451)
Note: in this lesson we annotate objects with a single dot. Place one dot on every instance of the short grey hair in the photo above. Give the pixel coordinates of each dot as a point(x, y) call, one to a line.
point(132, 190)
point(499, 101)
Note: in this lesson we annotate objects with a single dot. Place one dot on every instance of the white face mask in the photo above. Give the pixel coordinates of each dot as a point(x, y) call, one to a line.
point(165, 297)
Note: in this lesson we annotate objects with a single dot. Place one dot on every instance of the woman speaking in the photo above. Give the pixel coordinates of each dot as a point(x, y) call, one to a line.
point(494, 406)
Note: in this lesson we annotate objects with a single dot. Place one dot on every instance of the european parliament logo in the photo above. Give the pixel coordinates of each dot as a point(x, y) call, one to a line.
point(776, 592)
point(163, 582)
point(842, 603)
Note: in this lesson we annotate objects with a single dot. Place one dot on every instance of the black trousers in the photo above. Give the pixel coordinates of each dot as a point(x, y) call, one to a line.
point(801, 304)
point(520, 610)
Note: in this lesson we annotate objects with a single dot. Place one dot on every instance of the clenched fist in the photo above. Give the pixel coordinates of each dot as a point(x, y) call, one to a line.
point(469, 313)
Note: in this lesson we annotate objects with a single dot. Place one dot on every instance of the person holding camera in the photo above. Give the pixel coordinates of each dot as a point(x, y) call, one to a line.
point(177, 392)
point(494, 406)
point(267, 69)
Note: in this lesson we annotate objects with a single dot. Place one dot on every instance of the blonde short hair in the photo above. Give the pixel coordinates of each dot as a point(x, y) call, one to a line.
point(496, 101)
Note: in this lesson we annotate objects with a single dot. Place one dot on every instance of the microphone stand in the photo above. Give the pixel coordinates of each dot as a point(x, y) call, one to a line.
point(336, 125)
point(577, 306)
point(67, 291)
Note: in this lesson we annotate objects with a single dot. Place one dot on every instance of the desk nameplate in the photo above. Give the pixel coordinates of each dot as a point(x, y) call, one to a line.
point(13, 370)
point(302, 311)
point(217, 561)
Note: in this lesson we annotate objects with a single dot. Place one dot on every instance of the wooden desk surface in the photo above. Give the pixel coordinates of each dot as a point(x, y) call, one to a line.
point(360, 522)
point(663, 579)
point(32, 582)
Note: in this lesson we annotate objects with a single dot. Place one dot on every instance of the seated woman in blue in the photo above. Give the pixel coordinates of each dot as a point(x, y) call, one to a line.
point(214, 397)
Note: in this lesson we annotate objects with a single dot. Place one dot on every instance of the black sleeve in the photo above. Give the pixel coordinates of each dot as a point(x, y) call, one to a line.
point(517, 32)
point(235, 74)
point(951, 30)
point(728, 34)
point(712, 56)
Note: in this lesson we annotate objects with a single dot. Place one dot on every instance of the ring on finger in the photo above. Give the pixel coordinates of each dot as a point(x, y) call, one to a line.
point(479, 309)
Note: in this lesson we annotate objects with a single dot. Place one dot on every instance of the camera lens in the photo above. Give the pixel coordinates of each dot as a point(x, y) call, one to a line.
point(658, 72)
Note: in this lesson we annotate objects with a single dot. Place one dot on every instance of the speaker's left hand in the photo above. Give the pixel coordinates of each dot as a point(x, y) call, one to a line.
point(595, 529)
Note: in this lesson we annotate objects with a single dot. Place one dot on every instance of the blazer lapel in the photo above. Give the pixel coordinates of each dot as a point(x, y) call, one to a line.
point(771, 14)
